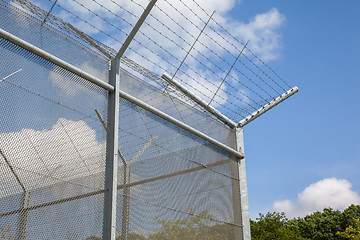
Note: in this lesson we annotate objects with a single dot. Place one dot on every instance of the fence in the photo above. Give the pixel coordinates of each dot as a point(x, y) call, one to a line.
point(74, 127)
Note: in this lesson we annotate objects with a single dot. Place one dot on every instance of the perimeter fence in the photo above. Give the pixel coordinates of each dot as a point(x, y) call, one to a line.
point(171, 182)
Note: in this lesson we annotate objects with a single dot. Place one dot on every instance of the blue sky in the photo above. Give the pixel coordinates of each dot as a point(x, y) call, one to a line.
point(315, 134)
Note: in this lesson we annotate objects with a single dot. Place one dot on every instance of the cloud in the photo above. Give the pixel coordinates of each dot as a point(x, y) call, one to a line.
point(263, 33)
point(67, 151)
point(329, 192)
point(71, 86)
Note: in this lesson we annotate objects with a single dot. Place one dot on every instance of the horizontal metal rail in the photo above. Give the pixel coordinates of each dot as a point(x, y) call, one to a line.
point(180, 124)
point(267, 107)
point(51, 58)
point(169, 175)
point(121, 186)
point(199, 101)
point(57, 61)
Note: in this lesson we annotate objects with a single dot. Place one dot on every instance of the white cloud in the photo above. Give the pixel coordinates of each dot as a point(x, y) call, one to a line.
point(67, 151)
point(284, 206)
point(68, 86)
point(329, 192)
point(262, 31)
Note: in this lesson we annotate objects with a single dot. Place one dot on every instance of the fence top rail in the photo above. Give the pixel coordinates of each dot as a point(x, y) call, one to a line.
point(55, 60)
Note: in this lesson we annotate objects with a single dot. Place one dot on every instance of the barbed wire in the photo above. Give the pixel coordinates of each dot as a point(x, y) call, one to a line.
point(237, 40)
point(192, 69)
point(227, 49)
point(231, 95)
point(146, 58)
point(169, 54)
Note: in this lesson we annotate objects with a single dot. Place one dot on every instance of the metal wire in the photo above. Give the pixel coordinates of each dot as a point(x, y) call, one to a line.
point(193, 70)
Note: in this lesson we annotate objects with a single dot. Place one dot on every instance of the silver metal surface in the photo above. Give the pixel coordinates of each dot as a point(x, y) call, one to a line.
point(121, 186)
point(199, 101)
point(57, 182)
point(23, 217)
point(135, 29)
point(109, 227)
point(267, 107)
point(57, 61)
point(245, 216)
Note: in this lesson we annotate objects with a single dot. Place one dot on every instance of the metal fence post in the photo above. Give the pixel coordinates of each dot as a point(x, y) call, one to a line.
point(240, 194)
point(109, 227)
point(23, 216)
point(126, 204)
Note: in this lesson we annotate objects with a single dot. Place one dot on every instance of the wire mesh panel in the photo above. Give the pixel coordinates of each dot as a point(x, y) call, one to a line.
point(174, 178)
point(52, 147)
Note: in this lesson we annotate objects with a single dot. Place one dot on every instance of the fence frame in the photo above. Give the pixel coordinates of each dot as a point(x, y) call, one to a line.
point(237, 162)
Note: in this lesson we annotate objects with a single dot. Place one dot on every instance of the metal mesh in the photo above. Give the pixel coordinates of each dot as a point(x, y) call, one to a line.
point(177, 174)
point(51, 143)
point(174, 107)
point(30, 29)
point(53, 147)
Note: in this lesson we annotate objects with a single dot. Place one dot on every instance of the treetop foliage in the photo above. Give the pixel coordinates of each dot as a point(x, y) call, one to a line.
point(326, 225)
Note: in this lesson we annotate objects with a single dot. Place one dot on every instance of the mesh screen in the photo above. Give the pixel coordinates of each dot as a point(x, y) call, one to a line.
point(171, 184)
point(171, 176)
point(174, 107)
point(52, 147)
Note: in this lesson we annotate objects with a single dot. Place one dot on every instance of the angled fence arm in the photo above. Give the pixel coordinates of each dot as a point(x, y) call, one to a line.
point(109, 228)
point(267, 107)
point(135, 29)
point(199, 101)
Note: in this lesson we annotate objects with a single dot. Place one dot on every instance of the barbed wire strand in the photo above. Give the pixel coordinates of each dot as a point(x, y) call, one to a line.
point(156, 54)
point(237, 40)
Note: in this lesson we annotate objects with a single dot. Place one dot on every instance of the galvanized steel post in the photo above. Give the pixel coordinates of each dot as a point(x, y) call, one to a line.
point(109, 227)
point(240, 194)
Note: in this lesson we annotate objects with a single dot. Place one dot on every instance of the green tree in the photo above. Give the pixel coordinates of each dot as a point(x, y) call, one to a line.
point(272, 226)
point(351, 215)
point(93, 238)
point(194, 227)
point(320, 225)
point(131, 236)
point(351, 232)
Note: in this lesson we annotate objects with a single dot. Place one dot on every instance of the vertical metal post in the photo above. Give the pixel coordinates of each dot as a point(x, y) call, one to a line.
point(23, 216)
point(239, 190)
point(109, 227)
point(126, 204)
